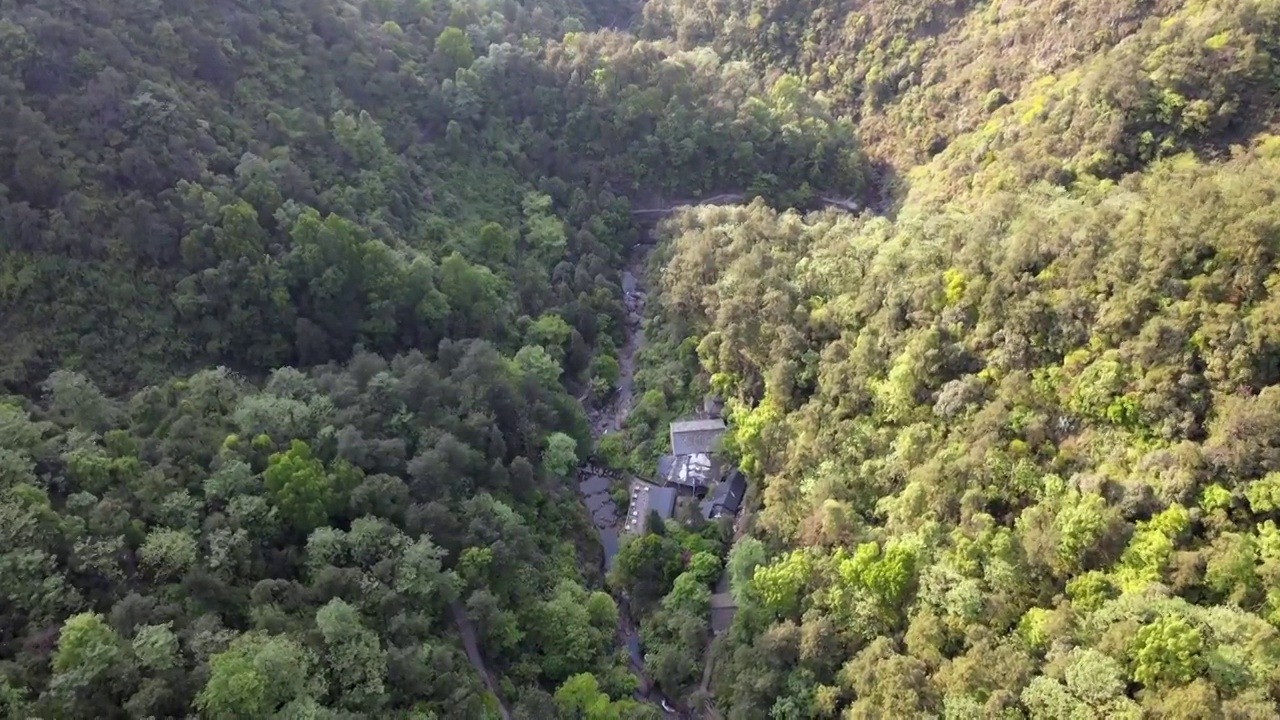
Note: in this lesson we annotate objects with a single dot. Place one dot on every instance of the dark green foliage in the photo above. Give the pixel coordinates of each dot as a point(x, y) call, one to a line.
point(299, 297)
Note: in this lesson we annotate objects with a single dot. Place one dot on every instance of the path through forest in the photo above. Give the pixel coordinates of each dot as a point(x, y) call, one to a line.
point(469, 643)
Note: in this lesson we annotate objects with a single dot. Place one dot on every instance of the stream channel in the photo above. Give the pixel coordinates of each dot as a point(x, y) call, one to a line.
point(595, 486)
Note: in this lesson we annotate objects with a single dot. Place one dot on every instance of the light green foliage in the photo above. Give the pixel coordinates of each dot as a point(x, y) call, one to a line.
point(1166, 652)
point(560, 456)
point(87, 647)
point(1032, 630)
point(954, 283)
point(1215, 497)
point(1264, 494)
point(167, 554)
point(705, 567)
point(156, 647)
point(611, 451)
point(299, 486)
point(746, 555)
point(1143, 562)
point(1089, 590)
point(453, 47)
point(419, 574)
point(580, 696)
point(780, 585)
point(357, 665)
point(1095, 678)
point(573, 630)
point(495, 245)
point(257, 674)
point(748, 427)
point(543, 231)
point(604, 374)
point(535, 362)
point(1231, 569)
point(552, 333)
point(1080, 524)
point(689, 593)
point(1099, 393)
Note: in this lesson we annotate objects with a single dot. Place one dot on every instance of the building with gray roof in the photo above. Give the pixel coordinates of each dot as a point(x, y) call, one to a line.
point(696, 437)
point(689, 473)
point(646, 498)
point(726, 498)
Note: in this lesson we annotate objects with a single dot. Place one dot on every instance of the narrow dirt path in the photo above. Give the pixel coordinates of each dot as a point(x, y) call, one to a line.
point(472, 647)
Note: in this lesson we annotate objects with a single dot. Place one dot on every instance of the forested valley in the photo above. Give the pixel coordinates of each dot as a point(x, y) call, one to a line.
point(305, 303)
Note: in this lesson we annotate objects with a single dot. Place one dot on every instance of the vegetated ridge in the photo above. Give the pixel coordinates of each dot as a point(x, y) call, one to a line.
point(299, 298)
point(1009, 442)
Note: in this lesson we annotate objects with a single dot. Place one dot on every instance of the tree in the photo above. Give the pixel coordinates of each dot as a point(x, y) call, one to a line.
point(746, 555)
point(560, 456)
point(299, 486)
point(552, 333)
point(87, 648)
point(610, 451)
point(580, 696)
point(646, 566)
point(496, 245)
point(453, 50)
point(780, 585)
point(572, 631)
point(156, 647)
point(604, 374)
point(533, 361)
point(1166, 652)
point(889, 683)
point(167, 554)
point(1264, 494)
point(74, 399)
point(357, 665)
point(420, 574)
point(257, 675)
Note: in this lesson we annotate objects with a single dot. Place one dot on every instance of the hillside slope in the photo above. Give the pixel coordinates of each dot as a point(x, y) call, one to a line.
point(294, 297)
point(1011, 443)
point(158, 184)
point(1118, 83)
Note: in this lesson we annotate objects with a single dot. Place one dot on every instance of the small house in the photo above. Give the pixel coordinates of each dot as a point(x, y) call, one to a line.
point(690, 474)
point(726, 499)
point(692, 466)
point(713, 406)
point(696, 437)
point(646, 498)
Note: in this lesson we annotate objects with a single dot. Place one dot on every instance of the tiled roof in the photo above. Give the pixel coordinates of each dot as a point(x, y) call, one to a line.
point(726, 498)
point(646, 498)
point(695, 436)
point(697, 470)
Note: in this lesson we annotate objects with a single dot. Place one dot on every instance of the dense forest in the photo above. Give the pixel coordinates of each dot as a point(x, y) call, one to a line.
point(295, 299)
point(1011, 434)
point(303, 300)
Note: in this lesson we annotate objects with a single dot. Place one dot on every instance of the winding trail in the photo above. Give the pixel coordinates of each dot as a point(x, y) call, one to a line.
point(469, 643)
